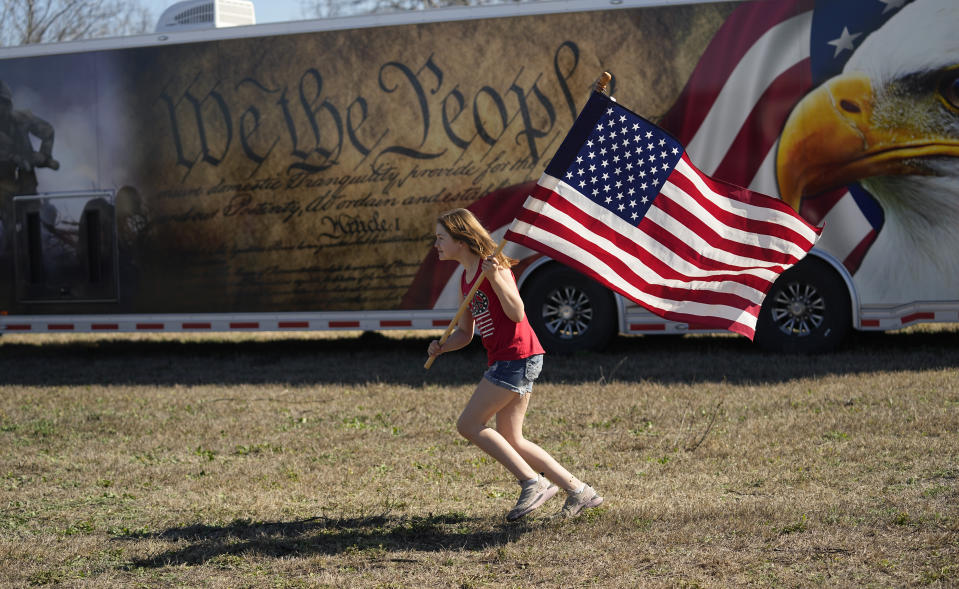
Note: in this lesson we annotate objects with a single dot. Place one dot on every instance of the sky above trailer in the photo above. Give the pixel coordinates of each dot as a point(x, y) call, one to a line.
point(265, 10)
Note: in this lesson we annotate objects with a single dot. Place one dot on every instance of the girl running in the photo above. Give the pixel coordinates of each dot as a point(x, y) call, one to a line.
point(515, 359)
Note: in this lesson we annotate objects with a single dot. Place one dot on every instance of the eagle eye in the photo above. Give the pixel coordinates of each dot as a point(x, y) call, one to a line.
point(949, 88)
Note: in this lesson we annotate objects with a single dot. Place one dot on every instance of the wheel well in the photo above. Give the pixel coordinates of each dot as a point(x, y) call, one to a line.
point(807, 310)
point(845, 277)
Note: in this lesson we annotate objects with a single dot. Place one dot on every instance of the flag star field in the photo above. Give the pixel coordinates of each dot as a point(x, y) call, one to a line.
point(623, 164)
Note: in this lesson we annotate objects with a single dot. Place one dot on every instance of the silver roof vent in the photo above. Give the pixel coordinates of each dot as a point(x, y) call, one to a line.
point(191, 15)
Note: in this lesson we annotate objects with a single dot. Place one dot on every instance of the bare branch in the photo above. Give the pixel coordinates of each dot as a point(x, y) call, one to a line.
point(45, 21)
point(712, 419)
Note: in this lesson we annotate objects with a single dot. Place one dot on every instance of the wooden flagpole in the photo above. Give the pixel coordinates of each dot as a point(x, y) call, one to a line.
point(465, 303)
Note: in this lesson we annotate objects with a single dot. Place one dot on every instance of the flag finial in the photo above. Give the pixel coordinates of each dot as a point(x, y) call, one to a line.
point(603, 82)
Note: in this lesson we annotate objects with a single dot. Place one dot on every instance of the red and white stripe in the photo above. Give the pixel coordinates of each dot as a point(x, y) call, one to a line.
point(638, 320)
point(217, 322)
point(882, 318)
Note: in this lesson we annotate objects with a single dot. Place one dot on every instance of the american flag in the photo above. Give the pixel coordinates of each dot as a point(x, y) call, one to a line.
point(622, 203)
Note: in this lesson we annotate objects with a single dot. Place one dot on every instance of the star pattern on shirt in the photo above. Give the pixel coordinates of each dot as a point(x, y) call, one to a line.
point(623, 163)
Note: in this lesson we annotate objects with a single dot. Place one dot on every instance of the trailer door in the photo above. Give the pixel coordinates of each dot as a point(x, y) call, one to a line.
point(65, 247)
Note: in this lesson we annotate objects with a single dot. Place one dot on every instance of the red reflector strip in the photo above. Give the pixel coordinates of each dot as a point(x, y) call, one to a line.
point(647, 327)
point(870, 323)
point(293, 324)
point(396, 323)
point(104, 326)
point(341, 324)
point(441, 323)
point(60, 326)
point(149, 326)
point(917, 316)
point(251, 325)
point(18, 328)
point(196, 326)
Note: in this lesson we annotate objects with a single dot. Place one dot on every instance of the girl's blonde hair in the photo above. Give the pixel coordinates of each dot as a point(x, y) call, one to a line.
point(464, 227)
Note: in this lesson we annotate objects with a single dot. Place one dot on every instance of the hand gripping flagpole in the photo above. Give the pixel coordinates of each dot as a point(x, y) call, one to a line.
point(465, 304)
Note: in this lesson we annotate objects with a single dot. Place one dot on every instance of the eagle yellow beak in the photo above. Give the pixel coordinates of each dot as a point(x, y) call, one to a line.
point(832, 139)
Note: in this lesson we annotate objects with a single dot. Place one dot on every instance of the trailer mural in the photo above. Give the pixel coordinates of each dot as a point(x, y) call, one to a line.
point(303, 172)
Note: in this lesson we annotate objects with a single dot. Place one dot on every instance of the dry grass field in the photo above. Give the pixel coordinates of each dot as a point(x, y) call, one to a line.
point(333, 461)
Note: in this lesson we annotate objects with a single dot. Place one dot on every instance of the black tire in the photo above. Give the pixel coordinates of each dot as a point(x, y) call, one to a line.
point(807, 310)
point(568, 311)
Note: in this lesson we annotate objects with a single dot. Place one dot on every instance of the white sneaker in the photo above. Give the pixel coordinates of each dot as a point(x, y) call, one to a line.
point(577, 502)
point(532, 496)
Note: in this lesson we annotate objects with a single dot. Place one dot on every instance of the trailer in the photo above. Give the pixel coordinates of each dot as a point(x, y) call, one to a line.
point(287, 176)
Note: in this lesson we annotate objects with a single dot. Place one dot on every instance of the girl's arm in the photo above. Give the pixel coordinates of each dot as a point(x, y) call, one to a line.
point(501, 279)
point(460, 338)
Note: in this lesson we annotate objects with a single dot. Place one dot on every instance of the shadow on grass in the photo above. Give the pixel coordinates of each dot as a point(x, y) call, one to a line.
point(374, 357)
point(322, 535)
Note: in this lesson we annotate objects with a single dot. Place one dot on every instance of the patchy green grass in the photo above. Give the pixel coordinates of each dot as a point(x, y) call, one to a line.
point(333, 460)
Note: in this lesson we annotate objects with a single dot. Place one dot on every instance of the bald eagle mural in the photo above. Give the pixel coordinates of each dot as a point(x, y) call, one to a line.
point(889, 122)
point(848, 110)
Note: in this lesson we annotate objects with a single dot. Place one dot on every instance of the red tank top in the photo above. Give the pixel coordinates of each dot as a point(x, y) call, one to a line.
point(503, 338)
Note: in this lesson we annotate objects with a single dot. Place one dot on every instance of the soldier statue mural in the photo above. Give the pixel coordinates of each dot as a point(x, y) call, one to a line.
point(18, 158)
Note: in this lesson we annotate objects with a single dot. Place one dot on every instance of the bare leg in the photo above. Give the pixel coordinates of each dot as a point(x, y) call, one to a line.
point(509, 422)
point(488, 400)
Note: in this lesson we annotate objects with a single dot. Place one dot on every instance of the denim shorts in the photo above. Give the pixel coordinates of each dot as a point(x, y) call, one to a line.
point(515, 375)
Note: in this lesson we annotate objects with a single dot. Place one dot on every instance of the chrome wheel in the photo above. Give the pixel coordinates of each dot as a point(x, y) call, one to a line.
point(567, 312)
point(798, 309)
